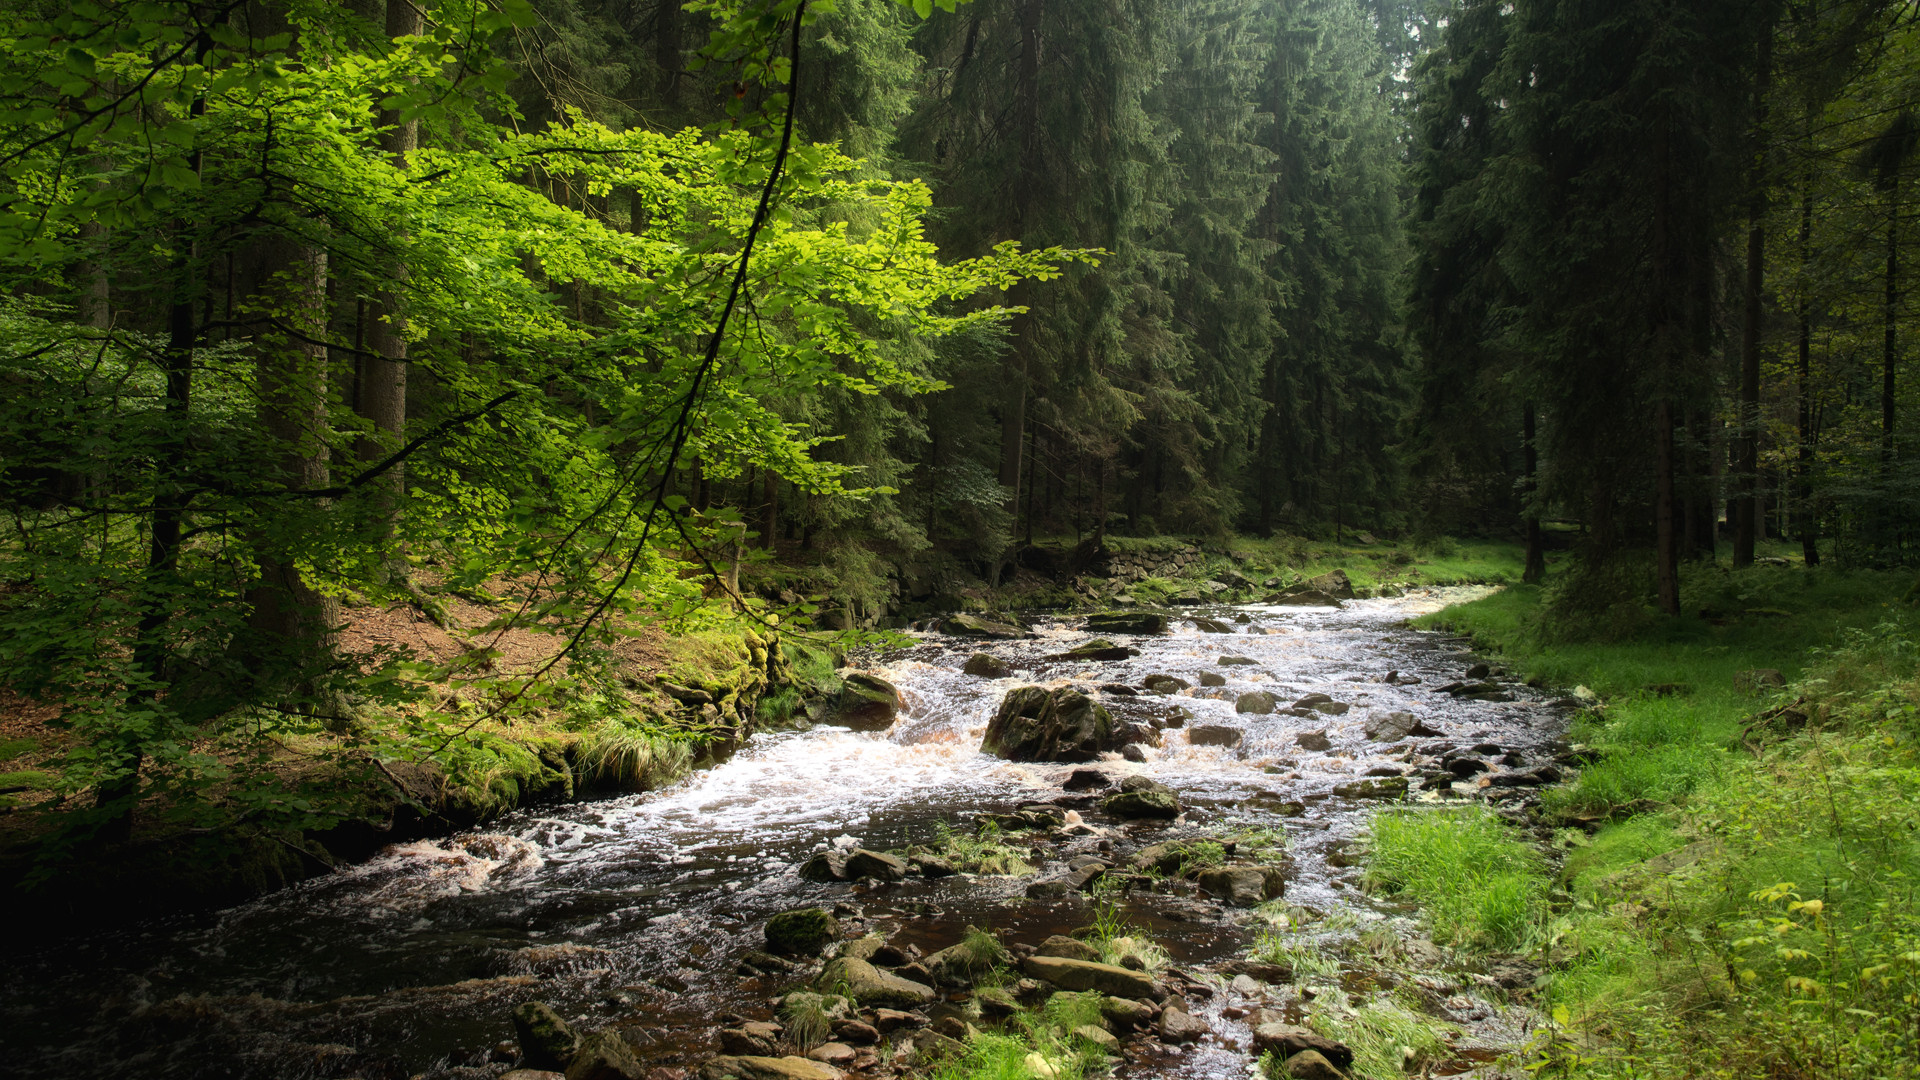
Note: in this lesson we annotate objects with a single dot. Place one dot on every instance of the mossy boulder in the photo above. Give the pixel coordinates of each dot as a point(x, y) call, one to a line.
point(802, 932)
point(975, 626)
point(546, 1040)
point(1127, 622)
point(864, 703)
point(1035, 723)
point(868, 985)
point(987, 666)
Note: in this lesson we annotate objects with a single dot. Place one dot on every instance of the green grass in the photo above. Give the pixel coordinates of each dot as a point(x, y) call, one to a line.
point(1754, 907)
point(1308, 960)
point(1388, 1038)
point(1476, 883)
point(1045, 1035)
point(979, 852)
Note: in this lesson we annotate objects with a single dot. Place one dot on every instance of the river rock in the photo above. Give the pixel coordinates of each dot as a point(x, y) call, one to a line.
point(1211, 626)
point(802, 931)
point(862, 864)
point(1313, 740)
point(825, 866)
point(1125, 1012)
point(604, 1055)
point(1332, 708)
point(766, 1068)
point(863, 703)
point(1038, 724)
point(833, 1053)
point(1383, 787)
point(1310, 700)
point(1096, 649)
point(1135, 753)
point(929, 865)
point(1165, 684)
point(1158, 802)
point(959, 965)
point(987, 666)
point(856, 1032)
point(1310, 1065)
point(758, 1039)
point(1069, 948)
point(870, 986)
point(1127, 622)
point(1334, 583)
point(1390, 727)
point(1464, 767)
point(531, 1074)
point(1176, 1026)
point(1214, 735)
point(1538, 776)
point(888, 1020)
point(1756, 681)
point(1242, 886)
point(1238, 661)
point(1257, 702)
point(546, 1040)
point(1285, 1040)
point(974, 626)
point(1068, 974)
point(1087, 780)
point(1302, 596)
point(1100, 1037)
point(1212, 678)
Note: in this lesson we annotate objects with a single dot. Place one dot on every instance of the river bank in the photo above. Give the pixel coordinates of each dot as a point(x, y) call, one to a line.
point(640, 915)
point(1732, 884)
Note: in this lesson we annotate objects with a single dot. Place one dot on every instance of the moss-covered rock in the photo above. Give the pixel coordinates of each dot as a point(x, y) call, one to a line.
point(802, 932)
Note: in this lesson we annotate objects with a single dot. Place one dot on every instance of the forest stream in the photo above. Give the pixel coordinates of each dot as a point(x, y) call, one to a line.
point(635, 912)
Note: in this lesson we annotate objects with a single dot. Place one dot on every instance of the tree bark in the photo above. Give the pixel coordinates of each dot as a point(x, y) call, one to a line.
point(381, 385)
point(1747, 509)
point(1809, 519)
point(1536, 565)
point(1666, 545)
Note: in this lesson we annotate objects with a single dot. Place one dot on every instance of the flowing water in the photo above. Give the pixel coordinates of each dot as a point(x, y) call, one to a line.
point(633, 912)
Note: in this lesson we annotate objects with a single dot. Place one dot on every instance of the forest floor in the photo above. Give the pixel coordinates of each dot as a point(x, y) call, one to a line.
point(1732, 887)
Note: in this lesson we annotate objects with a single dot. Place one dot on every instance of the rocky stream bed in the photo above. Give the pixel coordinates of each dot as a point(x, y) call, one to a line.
point(664, 935)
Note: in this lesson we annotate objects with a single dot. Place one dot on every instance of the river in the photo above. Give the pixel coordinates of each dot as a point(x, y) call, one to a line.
point(634, 911)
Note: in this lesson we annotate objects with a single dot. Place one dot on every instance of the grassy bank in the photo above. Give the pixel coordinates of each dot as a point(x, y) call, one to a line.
point(1736, 894)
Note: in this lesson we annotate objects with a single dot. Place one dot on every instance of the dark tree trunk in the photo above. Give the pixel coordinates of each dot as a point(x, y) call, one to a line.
point(1536, 566)
point(1666, 545)
point(382, 381)
point(1747, 508)
point(1809, 518)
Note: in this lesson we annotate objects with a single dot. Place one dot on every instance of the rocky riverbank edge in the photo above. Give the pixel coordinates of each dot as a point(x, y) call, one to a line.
point(376, 803)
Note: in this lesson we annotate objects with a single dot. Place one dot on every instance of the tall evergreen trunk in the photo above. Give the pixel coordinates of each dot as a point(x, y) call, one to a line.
point(769, 508)
point(1026, 106)
point(1890, 338)
point(381, 388)
point(293, 624)
point(1666, 541)
point(1536, 565)
point(1747, 509)
point(1809, 518)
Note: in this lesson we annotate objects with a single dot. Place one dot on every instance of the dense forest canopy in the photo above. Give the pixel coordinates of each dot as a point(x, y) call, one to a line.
point(654, 309)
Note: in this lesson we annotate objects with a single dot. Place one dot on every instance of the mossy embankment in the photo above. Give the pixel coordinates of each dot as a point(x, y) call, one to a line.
point(1124, 571)
point(333, 795)
point(1733, 886)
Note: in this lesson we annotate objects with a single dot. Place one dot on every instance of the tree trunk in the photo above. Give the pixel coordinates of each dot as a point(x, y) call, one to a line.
point(381, 396)
point(1747, 508)
point(769, 507)
point(1536, 566)
point(1803, 370)
point(1667, 548)
point(1890, 341)
point(293, 624)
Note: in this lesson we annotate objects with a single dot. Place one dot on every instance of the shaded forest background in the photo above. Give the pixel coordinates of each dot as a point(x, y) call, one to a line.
point(606, 315)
